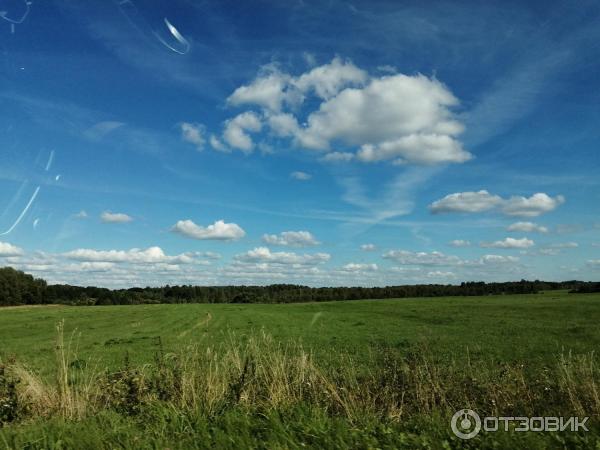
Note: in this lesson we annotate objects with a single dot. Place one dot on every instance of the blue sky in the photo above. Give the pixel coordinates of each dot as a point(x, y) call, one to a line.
point(322, 143)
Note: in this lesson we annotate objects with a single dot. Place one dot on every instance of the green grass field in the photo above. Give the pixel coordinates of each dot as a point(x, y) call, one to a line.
point(529, 332)
point(528, 328)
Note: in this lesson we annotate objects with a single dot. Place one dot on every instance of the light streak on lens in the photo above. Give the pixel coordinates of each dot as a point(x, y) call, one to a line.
point(177, 35)
point(31, 200)
point(50, 160)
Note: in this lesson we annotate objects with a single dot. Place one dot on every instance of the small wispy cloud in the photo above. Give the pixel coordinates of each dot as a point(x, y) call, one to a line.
point(110, 217)
point(527, 227)
point(291, 239)
point(194, 134)
point(564, 245)
point(337, 157)
point(395, 199)
point(101, 129)
point(360, 267)
point(509, 243)
point(264, 255)
point(459, 243)
point(300, 176)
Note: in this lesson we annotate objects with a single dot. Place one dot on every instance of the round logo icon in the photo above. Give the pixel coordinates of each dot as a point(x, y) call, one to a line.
point(465, 424)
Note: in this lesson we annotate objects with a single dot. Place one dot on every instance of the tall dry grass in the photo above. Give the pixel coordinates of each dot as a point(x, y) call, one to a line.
point(260, 374)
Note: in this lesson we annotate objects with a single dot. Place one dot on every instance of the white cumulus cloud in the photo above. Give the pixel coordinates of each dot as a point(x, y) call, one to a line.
point(217, 231)
point(468, 202)
point(440, 274)
point(237, 129)
point(405, 257)
point(264, 255)
point(291, 239)
point(391, 117)
point(533, 206)
point(360, 267)
point(480, 201)
point(267, 90)
point(498, 259)
point(273, 89)
point(135, 255)
point(509, 243)
point(416, 148)
point(7, 249)
point(327, 80)
point(89, 266)
point(527, 227)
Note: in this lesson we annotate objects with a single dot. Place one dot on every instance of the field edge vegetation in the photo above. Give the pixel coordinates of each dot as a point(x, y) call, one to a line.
point(255, 392)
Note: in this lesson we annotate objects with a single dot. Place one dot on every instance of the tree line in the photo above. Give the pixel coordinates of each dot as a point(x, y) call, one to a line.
point(19, 288)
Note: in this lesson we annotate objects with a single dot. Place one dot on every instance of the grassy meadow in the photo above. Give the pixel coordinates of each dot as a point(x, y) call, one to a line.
point(356, 374)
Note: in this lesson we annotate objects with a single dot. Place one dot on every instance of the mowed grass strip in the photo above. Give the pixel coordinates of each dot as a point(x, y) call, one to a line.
point(528, 328)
